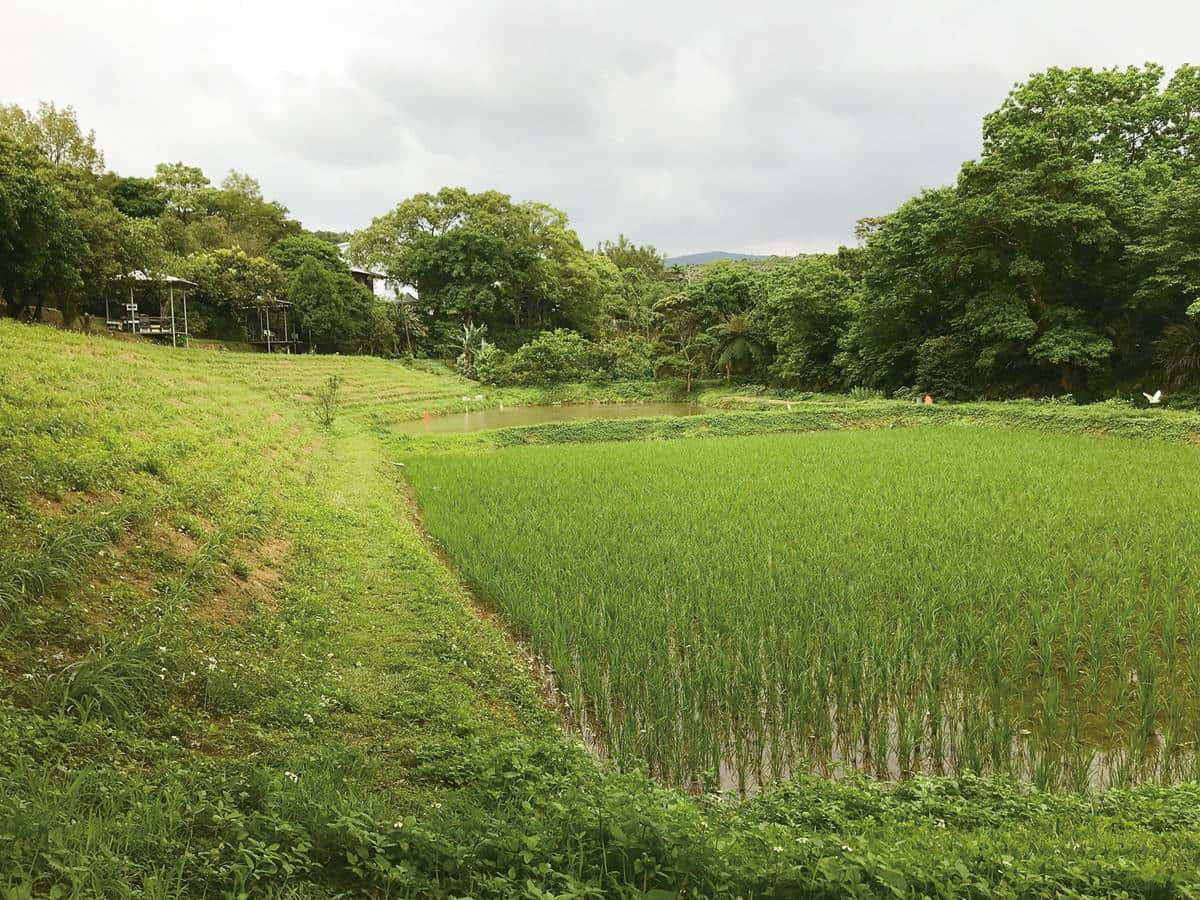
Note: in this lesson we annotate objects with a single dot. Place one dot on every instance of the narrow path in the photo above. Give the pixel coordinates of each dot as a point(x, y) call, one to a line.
point(415, 678)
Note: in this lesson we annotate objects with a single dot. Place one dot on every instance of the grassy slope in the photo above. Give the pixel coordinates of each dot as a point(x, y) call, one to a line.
point(228, 663)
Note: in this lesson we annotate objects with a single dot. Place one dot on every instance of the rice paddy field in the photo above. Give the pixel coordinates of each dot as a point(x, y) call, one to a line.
point(231, 666)
point(940, 599)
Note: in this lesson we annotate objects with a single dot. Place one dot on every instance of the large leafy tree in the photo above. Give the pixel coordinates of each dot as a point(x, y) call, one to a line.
point(40, 242)
point(228, 281)
point(807, 308)
point(55, 134)
point(480, 258)
point(686, 346)
point(331, 309)
point(96, 242)
point(185, 189)
point(628, 256)
point(294, 249)
point(252, 222)
point(138, 198)
point(1053, 263)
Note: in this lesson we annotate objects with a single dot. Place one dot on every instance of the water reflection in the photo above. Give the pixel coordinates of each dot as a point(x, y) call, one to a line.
point(485, 419)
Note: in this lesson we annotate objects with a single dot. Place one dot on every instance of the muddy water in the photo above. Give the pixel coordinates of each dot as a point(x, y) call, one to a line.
point(485, 419)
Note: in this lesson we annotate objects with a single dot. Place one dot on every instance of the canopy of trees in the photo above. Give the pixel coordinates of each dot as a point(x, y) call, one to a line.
point(69, 230)
point(1059, 259)
point(483, 259)
point(1065, 259)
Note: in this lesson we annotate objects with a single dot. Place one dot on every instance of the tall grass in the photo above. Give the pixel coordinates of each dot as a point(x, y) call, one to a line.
point(935, 600)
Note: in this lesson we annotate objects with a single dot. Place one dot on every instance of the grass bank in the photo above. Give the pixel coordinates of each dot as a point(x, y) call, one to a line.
point(229, 666)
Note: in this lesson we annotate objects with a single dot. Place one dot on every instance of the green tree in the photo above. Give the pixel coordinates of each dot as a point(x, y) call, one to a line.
point(55, 134)
point(625, 255)
point(185, 188)
point(39, 240)
point(807, 309)
point(553, 357)
point(1054, 262)
point(687, 346)
point(738, 344)
point(627, 357)
point(252, 223)
point(480, 258)
point(330, 308)
point(139, 198)
point(379, 328)
point(229, 281)
point(292, 250)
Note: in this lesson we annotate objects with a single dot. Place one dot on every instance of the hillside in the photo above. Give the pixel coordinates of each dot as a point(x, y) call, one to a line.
point(698, 259)
point(231, 664)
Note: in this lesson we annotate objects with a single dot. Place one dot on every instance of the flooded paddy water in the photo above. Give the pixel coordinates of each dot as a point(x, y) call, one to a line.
point(514, 416)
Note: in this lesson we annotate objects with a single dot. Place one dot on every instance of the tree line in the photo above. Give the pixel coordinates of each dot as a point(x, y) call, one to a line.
point(70, 231)
point(1065, 259)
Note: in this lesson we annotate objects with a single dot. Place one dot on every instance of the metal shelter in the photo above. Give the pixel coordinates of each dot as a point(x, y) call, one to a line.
point(133, 320)
point(267, 324)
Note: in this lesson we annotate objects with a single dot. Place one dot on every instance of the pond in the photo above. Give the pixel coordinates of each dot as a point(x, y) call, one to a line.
point(485, 419)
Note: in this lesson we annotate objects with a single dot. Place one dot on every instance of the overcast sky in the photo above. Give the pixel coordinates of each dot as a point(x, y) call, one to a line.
point(767, 127)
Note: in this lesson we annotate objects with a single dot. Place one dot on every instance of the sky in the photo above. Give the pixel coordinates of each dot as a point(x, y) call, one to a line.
point(754, 126)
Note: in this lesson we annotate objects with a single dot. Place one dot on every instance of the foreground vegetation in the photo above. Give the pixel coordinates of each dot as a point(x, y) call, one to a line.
point(229, 665)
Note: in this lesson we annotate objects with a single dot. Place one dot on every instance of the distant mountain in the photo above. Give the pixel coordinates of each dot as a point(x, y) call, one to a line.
point(696, 259)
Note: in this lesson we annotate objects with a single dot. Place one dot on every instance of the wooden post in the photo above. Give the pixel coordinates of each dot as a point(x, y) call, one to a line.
point(171, 294)
point(185, 327)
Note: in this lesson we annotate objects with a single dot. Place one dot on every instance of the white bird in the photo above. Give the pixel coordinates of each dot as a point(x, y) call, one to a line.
point(1155, 399)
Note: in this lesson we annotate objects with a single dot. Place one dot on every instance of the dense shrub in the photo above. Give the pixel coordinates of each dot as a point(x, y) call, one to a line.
point(944, 368)
point(553, 357)
point(629, 357)
point(491, 365)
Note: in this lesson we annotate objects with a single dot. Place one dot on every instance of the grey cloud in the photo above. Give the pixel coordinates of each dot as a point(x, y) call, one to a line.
point(691, 125)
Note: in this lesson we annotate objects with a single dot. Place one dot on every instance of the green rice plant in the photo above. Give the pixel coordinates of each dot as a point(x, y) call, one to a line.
point(938, 600)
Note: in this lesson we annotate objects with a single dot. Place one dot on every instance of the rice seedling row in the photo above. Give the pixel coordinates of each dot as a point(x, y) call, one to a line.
point(942, 599)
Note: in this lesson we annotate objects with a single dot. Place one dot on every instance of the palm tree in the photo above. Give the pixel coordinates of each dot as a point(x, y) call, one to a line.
point(408, 320)
point(1178, 352)
point(736, 343)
